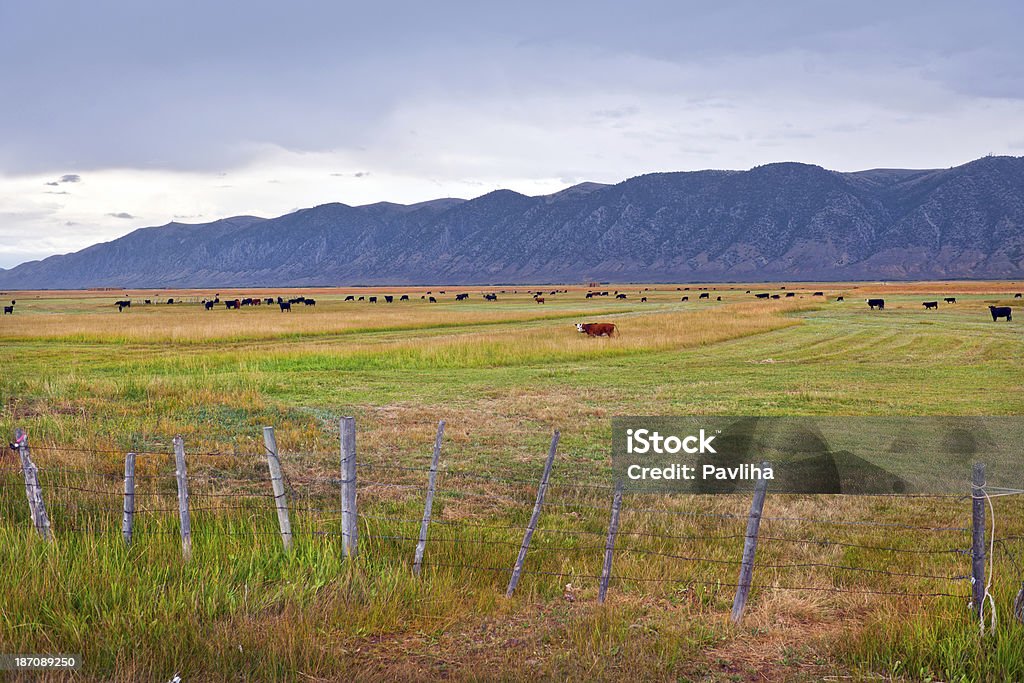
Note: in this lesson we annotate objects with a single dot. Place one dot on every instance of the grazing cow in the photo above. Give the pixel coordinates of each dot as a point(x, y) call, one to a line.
point(620, 296)
point(718, 298)
point(1001, 312)
point(950, 299)
point(748, 291)
point(776, 296)
point(596, 329)
point(170, 301)
point(234, 303)
point(643, 299)
point(432, 300)
point(373, 299)
point(285, 306)
point(685, 298)
point(247, 301)
point(930, 305)
point(350, 298)
point(148, 301)
point(876, 303)
point(310, 302)
point(404, 297)
point(389, 299)
point(1017, 295)
point(441, 291)
point(491, 297)
point(790, 294)
point(539, 299)
point(461, 297)
point(839, 298)
point(8, 310)
point(208, 305)
point(704, 295)
point(816, 293)
point(762, 296)
point(590, 295)
point(269, 301)
point(124, 303)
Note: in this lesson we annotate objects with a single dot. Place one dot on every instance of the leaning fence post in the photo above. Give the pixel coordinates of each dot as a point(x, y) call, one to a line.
point(349, 514)
point(417, 563)
point(129, 497)
point(609, 546)
point(33, 491)
point(532, 526)
point(277, 482)
point(739, 603)
point(977, 537)
point(182, 476)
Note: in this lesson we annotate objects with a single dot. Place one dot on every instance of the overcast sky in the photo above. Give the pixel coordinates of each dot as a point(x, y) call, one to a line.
point(121, 114)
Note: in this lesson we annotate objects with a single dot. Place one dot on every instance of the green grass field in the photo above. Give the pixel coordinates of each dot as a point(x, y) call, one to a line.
point(80, 377)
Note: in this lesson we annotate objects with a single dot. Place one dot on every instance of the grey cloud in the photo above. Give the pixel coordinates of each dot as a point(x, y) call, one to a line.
point(120, 214)
point(71, 178)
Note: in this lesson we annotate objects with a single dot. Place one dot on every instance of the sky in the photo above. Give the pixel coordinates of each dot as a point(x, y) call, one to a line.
point(116, 115)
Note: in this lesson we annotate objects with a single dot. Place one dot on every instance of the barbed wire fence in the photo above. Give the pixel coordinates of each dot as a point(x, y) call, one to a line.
point(438, 519)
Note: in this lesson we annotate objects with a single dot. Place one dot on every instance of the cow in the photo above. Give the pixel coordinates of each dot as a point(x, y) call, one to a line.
point(404, 297)
point(432, 300)
point(234, 303)
point(491, 297)
point(762, 296)
point(350, 298)
point(1001, 312)
point(748, 291)
point(247, 301)
point(930, 305)
point(620, 296)
point(596, 329)
point(310, 302)
point(704, 295)
point(718, 298)
point(148, 301)
point(270, 301)
point(1017, 295)
point(876, 303)
point(590, 295)
point(461, 297)
point(362, 298)
point(124, 303)
point(643, 299)
point(373, 299)
point(285, 306)
point(950, 299)
point(685, 298)
point(839, 298)
point(776, 296)
point(208, 305)
point(539, 299)
point(8, 310)
point(170, 302)
point(816, 293)
point(389, 299)
point(790, 294)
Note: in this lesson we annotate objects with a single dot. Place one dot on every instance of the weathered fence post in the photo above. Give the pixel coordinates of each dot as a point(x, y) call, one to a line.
point(349, 513)
point(428, 506)
point(609, 546)
point(739, 603)
point(277, 482)
point(33, 491)
point(181, 473)
point(532, 526)
point(129, 497)
point(977, 537)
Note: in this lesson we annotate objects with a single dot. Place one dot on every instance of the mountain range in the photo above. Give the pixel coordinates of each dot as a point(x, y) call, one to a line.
point(782, 221)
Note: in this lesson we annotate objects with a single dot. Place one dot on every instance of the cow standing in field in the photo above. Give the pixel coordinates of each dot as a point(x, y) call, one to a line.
point(373, 299)
point(208, 305)
point(816, 293)
point(596, 329)
point(930, 305)
point(389, 299)
point(790, 294)
point(620, 296)
point(461, 297)
point(285, 306)
point(490, 297)
point(539, 299)
point(8, 310)
point(350, 298)
point(404, 297)
point(876, 303)
point(762, 296)
point(234, 303)
point(776, 296)
point(1001, 312)
point(432, 300)
point(1017, 295)
point(685, 298)
point(643, 299)
point(839, 298)
point(310, 302)
point(950, 299)
point(704, 295)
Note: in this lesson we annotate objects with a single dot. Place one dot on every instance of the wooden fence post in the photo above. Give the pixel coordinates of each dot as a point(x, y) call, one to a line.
point(277, 482)
point(609, 546)
point(739, 603)
point(129, 498)
point(532, 526)
point(349, 513)
point(421, 546)
point(181, 473)
point(33, 491)
point(977, 537)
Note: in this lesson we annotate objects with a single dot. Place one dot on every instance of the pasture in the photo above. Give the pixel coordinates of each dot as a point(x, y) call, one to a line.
point(90, 383)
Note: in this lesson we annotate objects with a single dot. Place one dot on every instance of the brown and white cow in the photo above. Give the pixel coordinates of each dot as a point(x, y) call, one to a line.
point(596, 329)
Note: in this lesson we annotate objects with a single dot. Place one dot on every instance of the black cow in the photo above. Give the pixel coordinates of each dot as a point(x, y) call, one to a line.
point(704, 295)
point(685, 298)
point(790, 294)
point(310, 302)
point(461, 297)
point(930, 305)
point(762, 296)
point(404, 297)
point(491, 297)
point(643, 299)
point(247, 301)
point(876, 303)
point(748, 291)
point(432, 300)
point(124, 303)
point(170, 301)
point(234, 303)
point(148, 301)
point(620, 296)
point(285, 306)
point(839, 298)
point(361, 298)
point(388, 298)
point(590, 295)
point(1017, 295)
point(950, 299)
point(269, 301)
point(8, 310)
point(718, 298)
point(816, 293)
point(1001, 312)
point(776, 296)
point(350, 298)
point(373, 299)
point(208, 305)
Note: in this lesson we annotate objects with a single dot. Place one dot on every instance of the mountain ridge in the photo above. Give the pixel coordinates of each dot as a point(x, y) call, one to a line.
point(779, 221)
